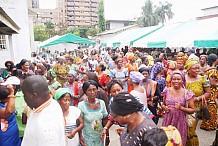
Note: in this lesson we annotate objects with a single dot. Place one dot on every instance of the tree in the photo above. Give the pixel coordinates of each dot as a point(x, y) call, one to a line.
point(92, 31)
point(164, 10)
point(149, 17)
point(101, 19)
point(49, 27)
point(40, 33)
point(152, 15)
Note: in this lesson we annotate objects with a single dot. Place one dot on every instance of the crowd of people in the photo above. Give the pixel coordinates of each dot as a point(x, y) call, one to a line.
point(73, 98)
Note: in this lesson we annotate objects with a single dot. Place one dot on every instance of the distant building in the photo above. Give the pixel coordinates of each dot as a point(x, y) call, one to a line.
point(209, 12)
point(44, 15)
point(33, 3)
point(81, 13)
point(113, 24)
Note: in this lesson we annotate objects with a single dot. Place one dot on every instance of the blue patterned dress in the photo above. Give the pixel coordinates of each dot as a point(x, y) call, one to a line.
point(9, 133)
point(93, 123)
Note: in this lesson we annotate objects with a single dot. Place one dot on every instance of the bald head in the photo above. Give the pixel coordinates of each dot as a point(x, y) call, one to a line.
point(35, 84)
point(35, 90)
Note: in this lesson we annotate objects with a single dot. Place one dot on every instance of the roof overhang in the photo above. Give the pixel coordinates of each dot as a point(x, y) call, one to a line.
point(7, 25)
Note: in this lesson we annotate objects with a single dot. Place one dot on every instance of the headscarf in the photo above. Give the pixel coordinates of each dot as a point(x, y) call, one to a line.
point(60, 92)
point(130, 56)
point(136, 77)
point(124, 104)
point(181, 54)
point(158, 67)
point(189, 63)
point(180, 73)
point(182, 59)
point(212, 72)
point(52, 72)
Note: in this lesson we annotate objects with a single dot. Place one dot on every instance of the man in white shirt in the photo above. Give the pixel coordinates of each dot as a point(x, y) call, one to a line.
point(45, 126)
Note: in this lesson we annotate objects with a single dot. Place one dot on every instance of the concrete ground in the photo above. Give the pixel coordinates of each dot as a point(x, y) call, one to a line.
point(205, 137)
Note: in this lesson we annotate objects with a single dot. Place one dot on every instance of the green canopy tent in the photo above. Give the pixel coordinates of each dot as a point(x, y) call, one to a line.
point(207, 41)
point(142, 42)
point(185, 34)
point(67, 38)
point(128, 37)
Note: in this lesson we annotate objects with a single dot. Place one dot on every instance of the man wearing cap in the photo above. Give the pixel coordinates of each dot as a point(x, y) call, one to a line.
point(45, 126)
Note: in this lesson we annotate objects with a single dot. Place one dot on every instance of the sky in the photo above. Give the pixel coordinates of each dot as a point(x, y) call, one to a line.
point(130, 9)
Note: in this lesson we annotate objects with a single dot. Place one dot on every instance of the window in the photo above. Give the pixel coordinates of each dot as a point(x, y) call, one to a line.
point(2, 42)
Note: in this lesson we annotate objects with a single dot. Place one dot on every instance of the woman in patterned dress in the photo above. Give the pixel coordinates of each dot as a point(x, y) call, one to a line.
point(212, 74)
point(174, 104)
point(94, 114)
point(200, 86)
point(61, 71)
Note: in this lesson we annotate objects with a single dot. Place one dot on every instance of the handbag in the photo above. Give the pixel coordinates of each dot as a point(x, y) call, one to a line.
point(190, 118)
point(205, 111)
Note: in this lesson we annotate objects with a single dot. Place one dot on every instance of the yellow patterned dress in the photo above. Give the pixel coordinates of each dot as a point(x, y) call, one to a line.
point(198, 88)
point(61, 71)
point(211, 104)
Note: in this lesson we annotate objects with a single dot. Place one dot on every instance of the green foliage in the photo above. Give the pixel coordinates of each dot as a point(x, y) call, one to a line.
point(49, 27)
point(40, 34)
point(101, 19)
point(152, 15)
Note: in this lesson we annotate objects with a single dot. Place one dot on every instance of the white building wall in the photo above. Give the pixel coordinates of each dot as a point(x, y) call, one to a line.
point(114, 25)
point(20, 48)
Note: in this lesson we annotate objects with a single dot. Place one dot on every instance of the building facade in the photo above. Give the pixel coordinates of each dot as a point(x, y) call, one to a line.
point(15, 46)
point(81, 13)
point(44, 15)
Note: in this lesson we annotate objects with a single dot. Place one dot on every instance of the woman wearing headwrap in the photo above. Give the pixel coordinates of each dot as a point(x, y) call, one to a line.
point(172, 67)
point(157, 71)
point(126, 110)
point(212, 74)
point(174, 104)
point(152, 91)
point(200, 86)
point(94, 113)
point(131, 66)
point(181, 63)
point(71, 115)
point(139, 91)
point(52, 83)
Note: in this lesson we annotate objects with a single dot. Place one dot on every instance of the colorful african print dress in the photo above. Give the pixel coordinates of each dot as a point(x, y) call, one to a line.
point(61, 70)
point(92, 123)
point(198, 88)
point(211, 124)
